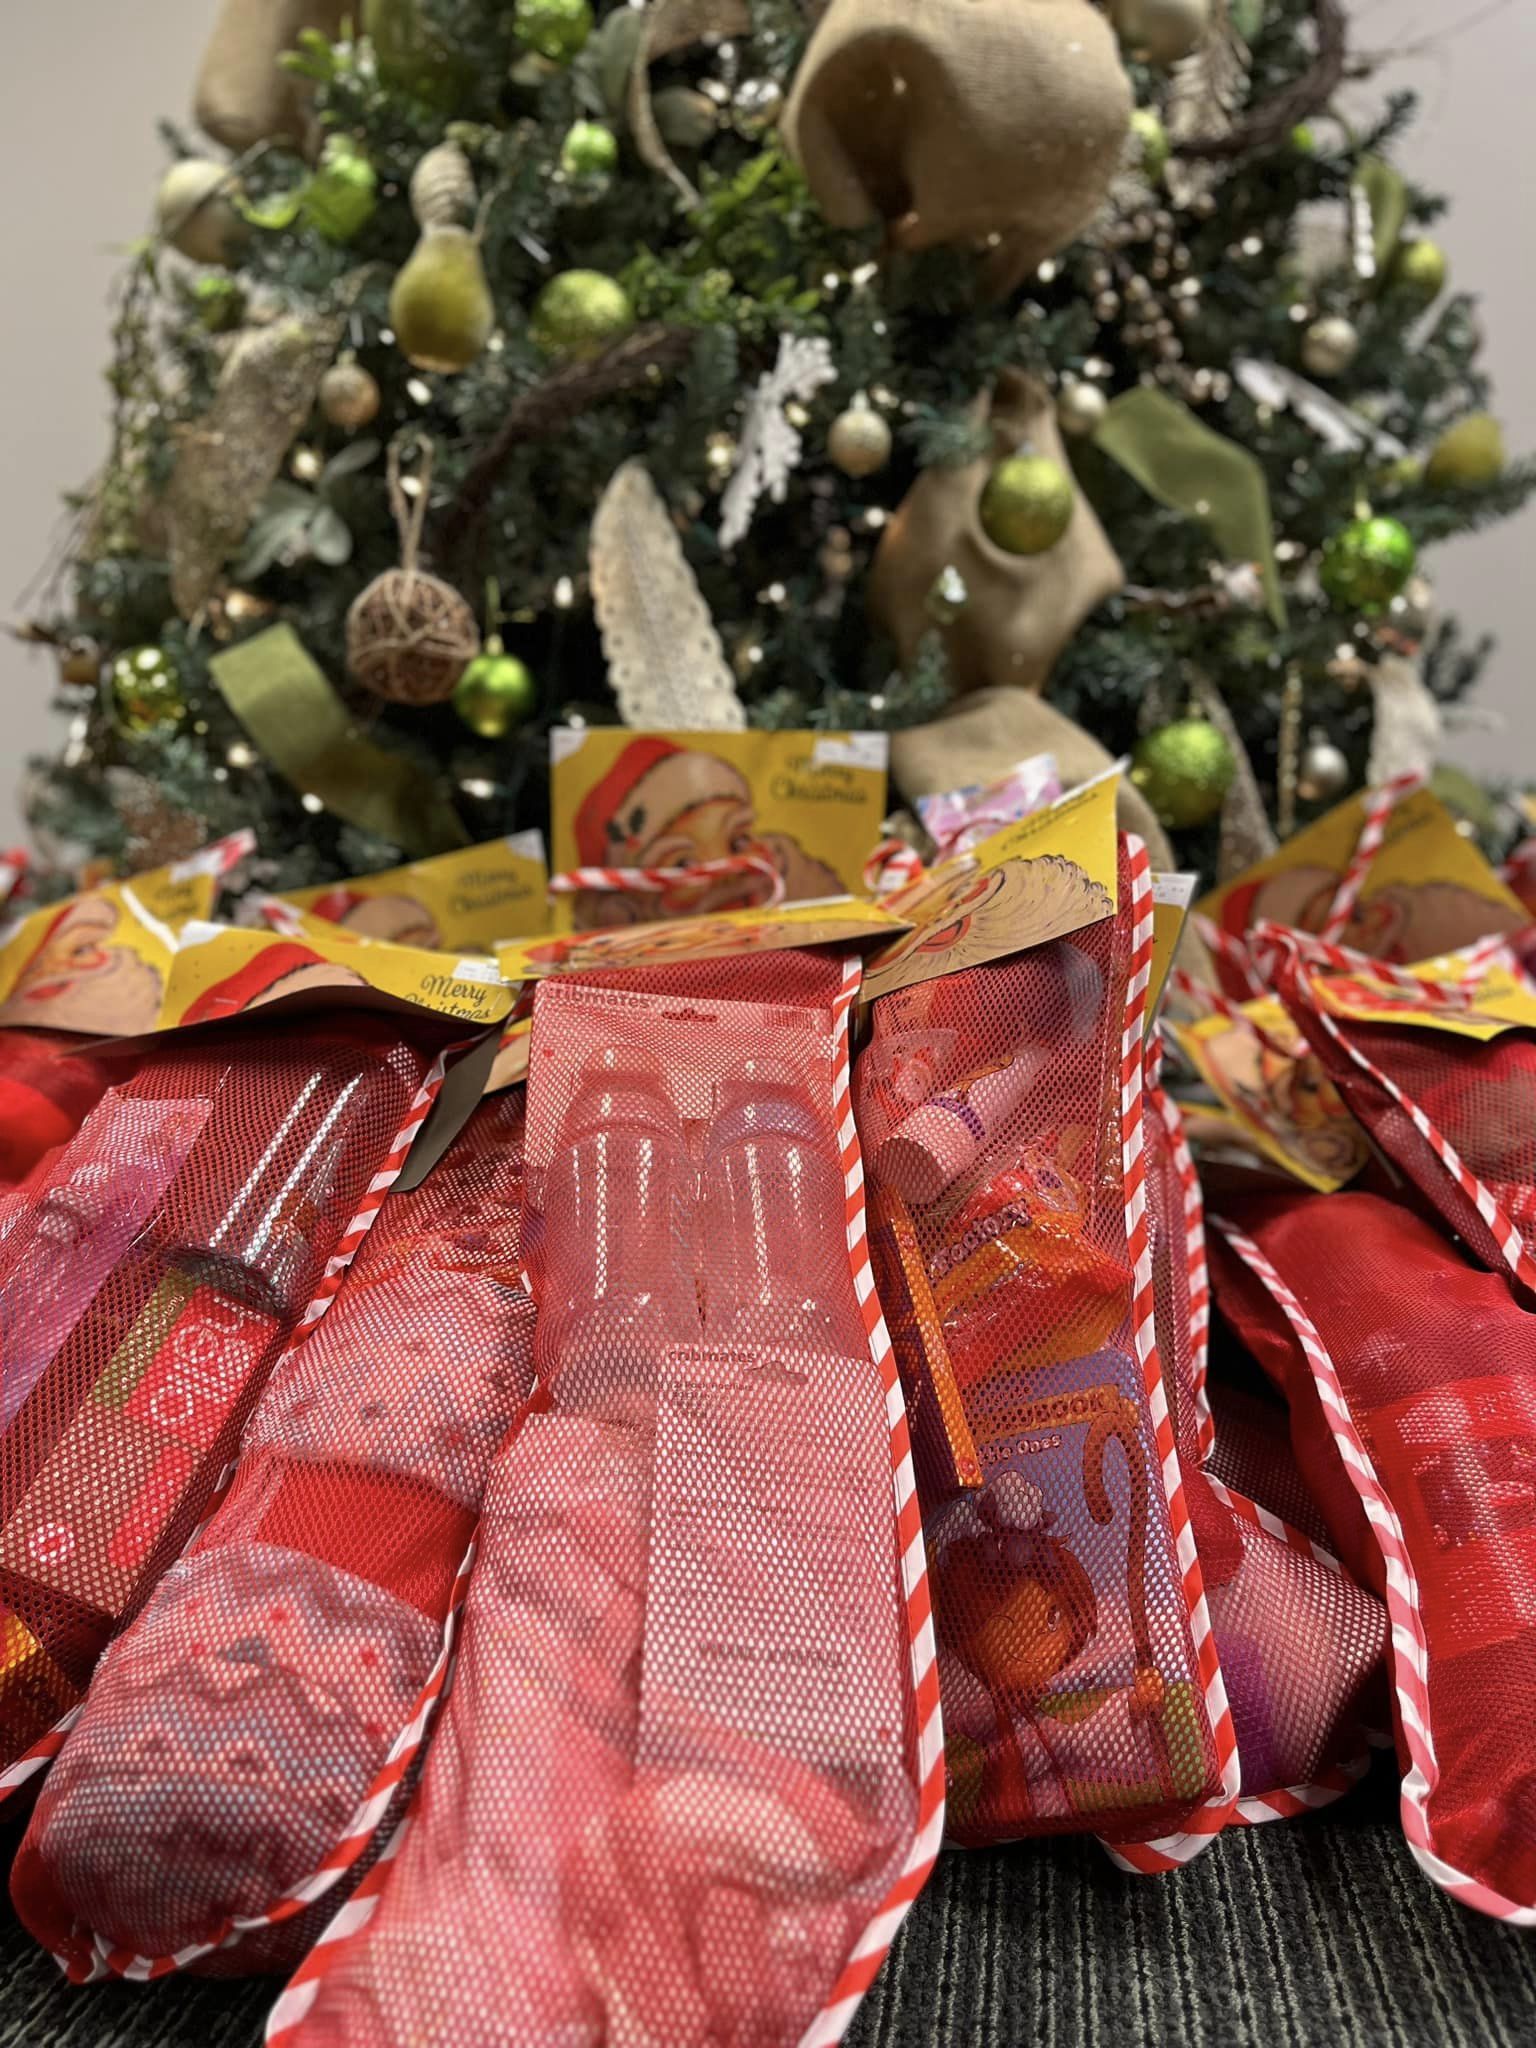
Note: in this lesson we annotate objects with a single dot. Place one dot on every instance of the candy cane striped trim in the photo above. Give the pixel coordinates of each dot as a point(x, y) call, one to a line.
point(1291, 1802)
point(1231, 951)
point(1249, 1511)
point(655, 881)
point(1199, 1827)
point(891, 866)
point(301, 1990)
point(86, 1958)
point(1501, 1225)
point(1194, 1239)
point(873, 1945)
point(1409, 1649)
point(1380, 805)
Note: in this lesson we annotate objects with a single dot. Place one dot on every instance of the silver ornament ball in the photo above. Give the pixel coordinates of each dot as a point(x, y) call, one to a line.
point(1080, 408)
point(859, 441)
point(1330, 345)
point(1323, 772)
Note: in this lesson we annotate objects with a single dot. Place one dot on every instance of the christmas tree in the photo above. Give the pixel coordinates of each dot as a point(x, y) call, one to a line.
point(1083, 377)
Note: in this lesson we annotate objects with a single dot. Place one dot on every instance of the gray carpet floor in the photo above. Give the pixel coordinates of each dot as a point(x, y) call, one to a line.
point(1320, 1934)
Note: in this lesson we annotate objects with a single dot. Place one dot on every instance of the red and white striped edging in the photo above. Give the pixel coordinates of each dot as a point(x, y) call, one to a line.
point(1206, 1821)
point(1194, 1240)
point(302, 1988)
point(1249, 1511)
point(1292, 1802)
point(873, 1945)
point(1232, 952)
point(891, 866)
point(1380, 805)
point(1409, 1648)
point(656, 881)
point(88, 1958)
point(1501, 1225)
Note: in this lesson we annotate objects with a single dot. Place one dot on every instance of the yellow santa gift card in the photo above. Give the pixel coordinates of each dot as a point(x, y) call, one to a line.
point(474, 897)
point(806, 807)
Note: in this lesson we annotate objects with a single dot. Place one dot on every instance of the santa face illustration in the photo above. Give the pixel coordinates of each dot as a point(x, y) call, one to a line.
point(665, 806)
point(399, 919)
point(76, 980)
point(1401, 922)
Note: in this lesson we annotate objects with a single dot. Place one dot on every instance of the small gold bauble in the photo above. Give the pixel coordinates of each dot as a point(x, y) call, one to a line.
point(1162, 32)
point(1027, 504)
point(1080, 408)
point(195, 211)
point(579, 314)
point(1468, 455)
point(1330, 345)
point(410, 637)
point(349, 395)
point(1184, 771)
point(146, 690)
point(859, 441)
point(1420, 268)
point(495, 692)
point(1323, 772)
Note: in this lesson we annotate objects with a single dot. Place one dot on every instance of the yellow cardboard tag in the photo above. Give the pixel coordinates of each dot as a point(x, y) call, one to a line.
point(471, 898)
point(1042, 878)
point(98, 962)
point(1481, 1003)
point(845, 920)
point(809, 803)
point(1171, 897)
point(1277, 1093)
point(1428, 890)
point(222, 970)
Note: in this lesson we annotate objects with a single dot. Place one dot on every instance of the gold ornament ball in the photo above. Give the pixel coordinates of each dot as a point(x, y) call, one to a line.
point(1080, 408)
point(859, 441)
point(579, 314)
point(146, 690)
point(496, 692)
point(1322, 773)
point(410, 637)
point(1184, 771)
point(589, 150)
point(1420, 268)
point(1330, 346)
point(1161, 31)
point(349, 396)
point(195, 211)
point(1366, 564)
point(1152, 142)
point(1027, 504)
point(556, 30)
point(440, 304)
point(1468, 455)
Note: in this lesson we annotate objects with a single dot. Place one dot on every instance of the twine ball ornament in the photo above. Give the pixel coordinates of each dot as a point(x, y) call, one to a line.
point(349, 395)
point(1330, 345)
point(410, 636)
point(858, 440)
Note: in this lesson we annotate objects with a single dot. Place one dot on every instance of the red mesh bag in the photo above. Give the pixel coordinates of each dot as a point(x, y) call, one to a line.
point(1301, 1643)
point(151, 1280)
point(1420, 1370)
point(1456, 1114)
point(688, 1777)
point(1003, 1141)
point(230, 1751)
point(46, 1093)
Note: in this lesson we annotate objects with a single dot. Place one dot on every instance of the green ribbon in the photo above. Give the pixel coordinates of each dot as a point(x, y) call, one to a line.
point(302, 727)
point(1387, 197)
point(1190, 468)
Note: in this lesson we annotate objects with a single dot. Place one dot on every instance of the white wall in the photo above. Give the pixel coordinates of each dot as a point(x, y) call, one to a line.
point(84, 81)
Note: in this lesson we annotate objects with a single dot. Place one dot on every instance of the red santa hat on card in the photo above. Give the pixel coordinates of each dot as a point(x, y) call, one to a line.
point(652, 782)
point(275, 971)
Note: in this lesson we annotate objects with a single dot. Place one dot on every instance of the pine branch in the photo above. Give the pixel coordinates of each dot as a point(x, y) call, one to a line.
point(639, 359)
point(1268, 125)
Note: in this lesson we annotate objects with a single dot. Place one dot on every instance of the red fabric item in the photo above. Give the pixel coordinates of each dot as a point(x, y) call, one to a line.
point(1434, 1420)
point(147, 1284)
point(46, 1093)
point(989, 1109)
point(675, 1795)
point(235, 1729)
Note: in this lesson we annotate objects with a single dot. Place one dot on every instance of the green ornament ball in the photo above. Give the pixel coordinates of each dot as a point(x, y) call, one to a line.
point(1468, 455)
point(1184, 771)
point(589, 150)
point(1364, 567)
point(1304, 139)
point(1152, 141)
point(556, 30)
point(343, 193)
point(579, 314)
point(1420, 268)
point(1026, 506)
point(146, 690)
point(495, 692)
point(219, 300)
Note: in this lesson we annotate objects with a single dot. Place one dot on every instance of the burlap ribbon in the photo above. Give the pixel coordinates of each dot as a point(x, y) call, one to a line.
point(668, 26)
point(960, 120)
point(243, 96)
point(1020, 610)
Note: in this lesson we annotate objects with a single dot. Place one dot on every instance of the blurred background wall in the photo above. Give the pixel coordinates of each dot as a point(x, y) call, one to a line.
point(85, 80)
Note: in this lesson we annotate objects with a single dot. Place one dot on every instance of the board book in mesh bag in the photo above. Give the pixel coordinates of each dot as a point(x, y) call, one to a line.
point(689, 1776)
point(1409, 1370)
point(246, 1739)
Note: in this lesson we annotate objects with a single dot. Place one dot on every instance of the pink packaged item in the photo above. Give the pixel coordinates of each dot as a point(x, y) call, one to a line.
point(241, 1743)
point(958, 819)
point(689, 1775)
